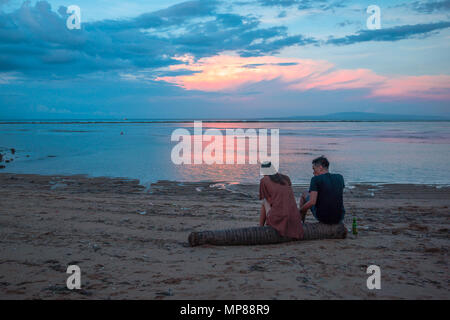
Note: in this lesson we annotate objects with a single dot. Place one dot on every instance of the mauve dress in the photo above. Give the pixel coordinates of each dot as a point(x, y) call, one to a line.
point(284, 215)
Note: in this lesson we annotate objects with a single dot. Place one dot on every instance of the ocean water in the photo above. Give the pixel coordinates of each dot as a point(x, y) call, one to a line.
point(373, 152)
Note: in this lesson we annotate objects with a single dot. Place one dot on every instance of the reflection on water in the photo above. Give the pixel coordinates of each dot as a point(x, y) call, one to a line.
point(218, 172)
point(406, 152)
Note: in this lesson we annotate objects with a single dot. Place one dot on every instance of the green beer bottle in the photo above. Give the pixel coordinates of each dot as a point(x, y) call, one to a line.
point(354, 230)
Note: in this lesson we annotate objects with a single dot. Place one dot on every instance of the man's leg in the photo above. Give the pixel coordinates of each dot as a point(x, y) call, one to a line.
point(303, 199)
point(343, 216)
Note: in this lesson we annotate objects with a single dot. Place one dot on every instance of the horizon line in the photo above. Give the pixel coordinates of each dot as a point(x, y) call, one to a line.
point(143, 120)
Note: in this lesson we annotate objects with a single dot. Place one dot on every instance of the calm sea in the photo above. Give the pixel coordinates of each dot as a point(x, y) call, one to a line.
point(374, 152)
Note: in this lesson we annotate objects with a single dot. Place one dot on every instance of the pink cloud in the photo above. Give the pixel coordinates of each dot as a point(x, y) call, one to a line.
point(426, 87)
point(341, 79)
point(229, 73)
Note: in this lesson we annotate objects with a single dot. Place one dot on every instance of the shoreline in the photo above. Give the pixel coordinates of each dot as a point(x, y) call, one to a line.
point(348, 184)
point(132, 244)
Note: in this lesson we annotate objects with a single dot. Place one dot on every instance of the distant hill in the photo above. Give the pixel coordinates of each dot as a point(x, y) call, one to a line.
point(366, 116)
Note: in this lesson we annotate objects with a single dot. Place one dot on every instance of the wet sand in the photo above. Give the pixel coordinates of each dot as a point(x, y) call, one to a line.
point(131, 243)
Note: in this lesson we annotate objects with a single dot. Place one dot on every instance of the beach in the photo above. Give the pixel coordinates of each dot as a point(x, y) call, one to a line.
point(130, 242)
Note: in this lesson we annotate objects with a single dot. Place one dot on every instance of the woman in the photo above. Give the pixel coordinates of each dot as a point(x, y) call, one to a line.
point(279, 209)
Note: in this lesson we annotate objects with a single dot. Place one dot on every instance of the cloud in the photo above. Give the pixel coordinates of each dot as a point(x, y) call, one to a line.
point(278, 3)
point(225, 73)
point(8, 77)
point(426, 87)
point(175, 15)
point(341, 80)
point(348, 23)
point(229, 33)
point(431, 6)
point(183, 46)
point(189, 9)
point(3, 2)
point(390, 34)
point(35, 39)
point(323, 5)
point(44, 109)
point(274, 46)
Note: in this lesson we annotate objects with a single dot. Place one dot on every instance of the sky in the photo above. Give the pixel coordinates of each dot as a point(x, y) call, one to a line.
point(237, 59)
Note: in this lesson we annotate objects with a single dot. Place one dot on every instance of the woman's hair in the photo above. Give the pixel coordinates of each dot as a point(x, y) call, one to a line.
point(278, 178)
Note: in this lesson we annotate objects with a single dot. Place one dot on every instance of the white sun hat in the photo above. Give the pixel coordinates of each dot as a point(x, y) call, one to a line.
point(267, 169)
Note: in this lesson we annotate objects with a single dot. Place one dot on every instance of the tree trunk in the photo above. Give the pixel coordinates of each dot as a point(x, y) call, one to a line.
point(265, 235)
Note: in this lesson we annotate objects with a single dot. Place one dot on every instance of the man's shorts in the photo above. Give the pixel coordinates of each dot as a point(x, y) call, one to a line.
point(314, 211)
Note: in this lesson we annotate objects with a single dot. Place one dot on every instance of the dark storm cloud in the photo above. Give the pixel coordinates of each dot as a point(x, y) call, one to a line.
point(36, 39)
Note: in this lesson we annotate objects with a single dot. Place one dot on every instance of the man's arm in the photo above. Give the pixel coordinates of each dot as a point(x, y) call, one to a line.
point(311, 202)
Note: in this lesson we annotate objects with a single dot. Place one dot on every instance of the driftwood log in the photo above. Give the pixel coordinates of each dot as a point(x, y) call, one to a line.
point(265, 235)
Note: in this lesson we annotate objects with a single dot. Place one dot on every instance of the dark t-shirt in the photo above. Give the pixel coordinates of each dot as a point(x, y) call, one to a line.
point(329, 204)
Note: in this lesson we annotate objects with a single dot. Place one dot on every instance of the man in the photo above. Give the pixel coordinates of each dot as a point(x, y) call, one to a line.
point(325, 196)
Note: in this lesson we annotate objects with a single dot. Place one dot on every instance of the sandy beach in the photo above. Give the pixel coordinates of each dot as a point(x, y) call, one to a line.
point(131, 243)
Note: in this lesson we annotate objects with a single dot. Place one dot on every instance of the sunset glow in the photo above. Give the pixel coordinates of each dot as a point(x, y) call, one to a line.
point(229, 73)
